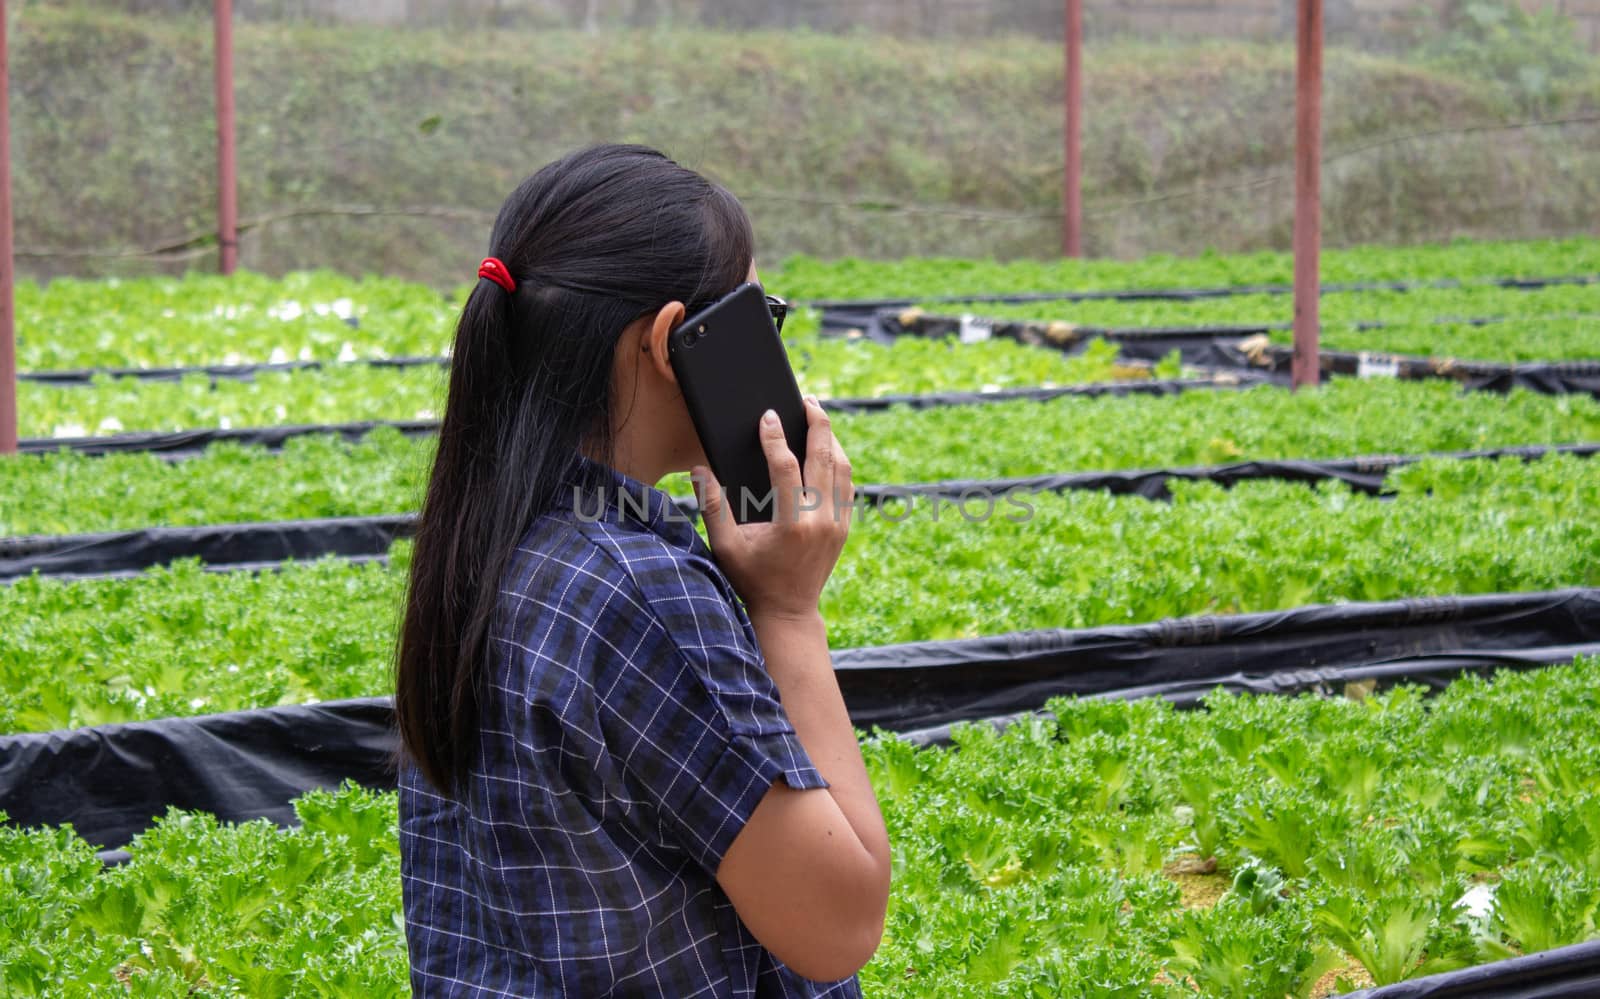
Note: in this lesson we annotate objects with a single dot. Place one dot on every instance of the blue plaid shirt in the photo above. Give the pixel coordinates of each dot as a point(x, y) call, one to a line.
point(630, 729)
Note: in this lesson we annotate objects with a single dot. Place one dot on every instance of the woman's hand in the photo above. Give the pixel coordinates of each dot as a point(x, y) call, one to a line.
point(779, 568)
point(809, 872)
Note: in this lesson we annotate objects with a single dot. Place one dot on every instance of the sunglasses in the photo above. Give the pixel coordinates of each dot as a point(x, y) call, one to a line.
point(775, 305)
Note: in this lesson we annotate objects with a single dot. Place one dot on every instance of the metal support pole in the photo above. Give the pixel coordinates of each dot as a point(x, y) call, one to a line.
point(8, 262)
point(1072, 192)
point(227, 162)
point(1306, 369)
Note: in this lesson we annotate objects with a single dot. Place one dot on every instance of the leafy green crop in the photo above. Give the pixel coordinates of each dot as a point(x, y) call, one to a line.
point(319, 476)
point(810, 279)
point(1089, 558)
point(1385, 836)
point(342, 394)
point(348, 393)
point(313, 476)
point(1345, 417)
point(1229, 950)
point(1561, 322)
point(209, 909)
point(1542, 904)
point(1556, 338)
point(246, 318)
point(319, 315)
point(834, 368)
point(1335, 308)
point(1002, 885)
point(184, 641)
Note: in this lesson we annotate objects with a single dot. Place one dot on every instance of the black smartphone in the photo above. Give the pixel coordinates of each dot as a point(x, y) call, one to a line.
point(732, 367)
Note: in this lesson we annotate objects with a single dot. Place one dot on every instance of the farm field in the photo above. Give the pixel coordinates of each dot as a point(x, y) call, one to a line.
point(325, 319)
point(314, 315)
point(1256, 845)
point(1354, 841)
point(324, 476)
point(358, 392)
point(183, 641)
point(1464, 261)
point(1554, 323)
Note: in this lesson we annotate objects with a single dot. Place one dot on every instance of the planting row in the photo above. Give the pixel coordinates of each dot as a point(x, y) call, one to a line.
point(827, 368)
point(182, 641)
point(243, 318)
point(811, 280)
point(1420, 305)
point(1573, 338)
point(1556, 323)
point(322, 476)
point(1261, 847)
point(198, 320)
point(1257, 847)
point(202, 909)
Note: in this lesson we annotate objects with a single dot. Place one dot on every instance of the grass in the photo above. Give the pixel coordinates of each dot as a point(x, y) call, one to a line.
point(1188, 147)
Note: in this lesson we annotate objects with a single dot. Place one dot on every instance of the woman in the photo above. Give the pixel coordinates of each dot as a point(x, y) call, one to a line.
point(616, 779)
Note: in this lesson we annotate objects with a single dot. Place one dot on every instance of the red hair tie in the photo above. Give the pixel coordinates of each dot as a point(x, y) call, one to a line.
point(495, 270)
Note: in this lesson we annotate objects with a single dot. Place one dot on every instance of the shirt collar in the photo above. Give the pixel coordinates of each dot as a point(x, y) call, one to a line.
point(627, 501)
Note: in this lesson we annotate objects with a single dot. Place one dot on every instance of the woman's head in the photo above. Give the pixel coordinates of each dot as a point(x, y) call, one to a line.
point(595, 241)
point(604, 245)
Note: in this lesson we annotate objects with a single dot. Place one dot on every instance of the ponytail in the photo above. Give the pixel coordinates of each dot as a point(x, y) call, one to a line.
point(587, 244)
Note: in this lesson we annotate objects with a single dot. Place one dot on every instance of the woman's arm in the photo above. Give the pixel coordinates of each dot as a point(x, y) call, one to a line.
point(809, 873)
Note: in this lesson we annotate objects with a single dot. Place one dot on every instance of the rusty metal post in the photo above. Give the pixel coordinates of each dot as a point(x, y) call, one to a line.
point(1072, 190)
point(1306, 369)
point(227, 161)
point(8, 262)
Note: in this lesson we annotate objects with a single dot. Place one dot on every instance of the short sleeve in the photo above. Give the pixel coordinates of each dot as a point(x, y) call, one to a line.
point(692, 716)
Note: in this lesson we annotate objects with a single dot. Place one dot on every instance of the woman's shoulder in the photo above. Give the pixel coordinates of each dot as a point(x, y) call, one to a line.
point(615, 606)
point(594, 567)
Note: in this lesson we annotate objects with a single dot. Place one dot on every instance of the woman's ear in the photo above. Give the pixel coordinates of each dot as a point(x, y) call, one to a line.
point(654, 342)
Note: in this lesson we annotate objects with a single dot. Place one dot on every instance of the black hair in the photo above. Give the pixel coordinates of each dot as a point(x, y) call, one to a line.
point(594, 241)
